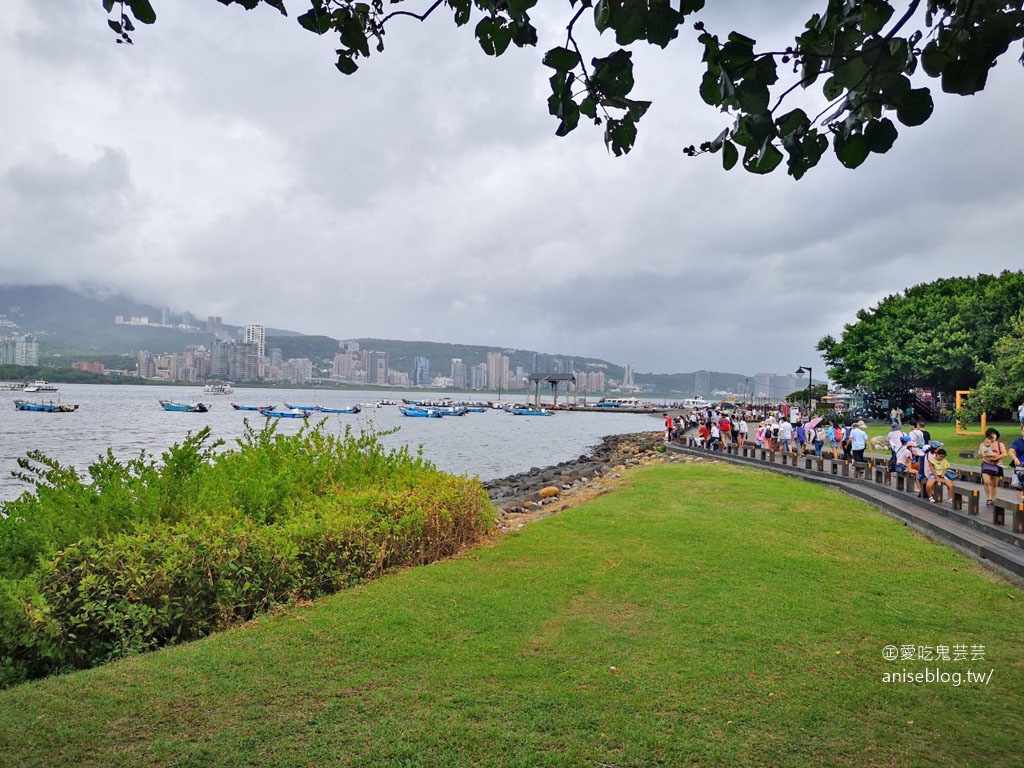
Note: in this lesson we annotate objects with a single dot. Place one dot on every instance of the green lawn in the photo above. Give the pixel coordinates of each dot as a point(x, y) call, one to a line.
point(704, 615)
point(954, 443)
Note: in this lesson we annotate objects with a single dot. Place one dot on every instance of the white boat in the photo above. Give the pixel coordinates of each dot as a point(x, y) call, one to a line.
point(695, 404)
point(40, 386)
point(218, 389)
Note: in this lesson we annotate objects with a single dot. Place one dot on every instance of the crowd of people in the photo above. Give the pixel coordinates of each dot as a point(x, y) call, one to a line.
point(911, 451)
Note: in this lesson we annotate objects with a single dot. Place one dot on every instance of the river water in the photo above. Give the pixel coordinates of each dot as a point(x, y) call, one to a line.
point(128, 419)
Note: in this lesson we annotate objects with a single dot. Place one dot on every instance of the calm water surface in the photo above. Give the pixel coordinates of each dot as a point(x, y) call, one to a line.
point(128, 419)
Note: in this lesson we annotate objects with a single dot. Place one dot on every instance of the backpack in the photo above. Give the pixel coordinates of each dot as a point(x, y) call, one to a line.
point(839, 435)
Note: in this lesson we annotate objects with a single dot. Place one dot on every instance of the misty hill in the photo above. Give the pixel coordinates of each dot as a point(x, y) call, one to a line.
point(67, 322)
point(80, 324)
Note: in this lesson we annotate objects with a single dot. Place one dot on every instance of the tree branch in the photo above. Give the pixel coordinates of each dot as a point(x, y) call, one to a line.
point(417, 16)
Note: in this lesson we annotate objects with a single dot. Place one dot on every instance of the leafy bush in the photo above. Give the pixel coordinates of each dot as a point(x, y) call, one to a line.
point(150, 554)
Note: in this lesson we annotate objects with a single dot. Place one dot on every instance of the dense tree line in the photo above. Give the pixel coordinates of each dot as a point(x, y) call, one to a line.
point(952, 334)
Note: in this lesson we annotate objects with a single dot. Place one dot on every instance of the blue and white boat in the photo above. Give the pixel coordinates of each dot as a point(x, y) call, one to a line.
point(530, 412)
point(272, 414)
point(238, 407)
point(352, 409)
point(170, 405)
point(50, 407)
point(420, 413)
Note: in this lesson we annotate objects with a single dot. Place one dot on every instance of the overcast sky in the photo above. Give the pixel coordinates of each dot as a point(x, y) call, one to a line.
point(222, 165)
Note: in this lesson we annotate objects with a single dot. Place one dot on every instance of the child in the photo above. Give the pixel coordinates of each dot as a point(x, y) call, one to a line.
point(936, 472)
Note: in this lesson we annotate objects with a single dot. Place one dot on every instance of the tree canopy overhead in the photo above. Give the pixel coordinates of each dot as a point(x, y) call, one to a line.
point(945, 335)
point(860, 54)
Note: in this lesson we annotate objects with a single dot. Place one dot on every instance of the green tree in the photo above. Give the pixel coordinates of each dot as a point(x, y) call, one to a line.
point(861, 54)
point(1002, 378)
point(935, 335)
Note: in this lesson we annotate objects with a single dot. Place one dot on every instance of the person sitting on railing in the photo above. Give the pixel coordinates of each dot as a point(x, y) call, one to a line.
point(937, 470)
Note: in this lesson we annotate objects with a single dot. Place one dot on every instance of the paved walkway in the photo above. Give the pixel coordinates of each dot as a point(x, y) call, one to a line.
point(993, 535)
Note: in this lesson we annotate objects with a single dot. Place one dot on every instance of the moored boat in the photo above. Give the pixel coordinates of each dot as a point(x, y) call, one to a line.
point(50, 407)
point(421, 413)
point(238, 407)
point(170, 405)
point(39, 387)
point(216, 388)
point(272, 414)
point(530, 412)
point(352, 409)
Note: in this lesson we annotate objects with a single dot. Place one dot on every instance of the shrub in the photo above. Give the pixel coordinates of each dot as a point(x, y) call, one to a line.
point(151, 554)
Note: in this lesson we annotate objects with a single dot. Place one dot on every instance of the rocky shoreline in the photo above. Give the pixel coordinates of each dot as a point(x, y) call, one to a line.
point(521, 496)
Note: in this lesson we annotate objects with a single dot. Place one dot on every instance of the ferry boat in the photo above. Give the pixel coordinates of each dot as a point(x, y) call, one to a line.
point(218, 389)
point(39, 387)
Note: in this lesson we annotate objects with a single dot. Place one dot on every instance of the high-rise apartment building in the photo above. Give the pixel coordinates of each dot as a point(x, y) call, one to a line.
point(458, 373)
point(627, 378)
point(421, 372)
point(19, 350)
point(497, 370)
point(254, 333)
point(478, 377)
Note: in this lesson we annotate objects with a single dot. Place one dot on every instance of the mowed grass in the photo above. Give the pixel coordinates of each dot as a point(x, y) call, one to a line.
point(702, 615)
point(954, 443)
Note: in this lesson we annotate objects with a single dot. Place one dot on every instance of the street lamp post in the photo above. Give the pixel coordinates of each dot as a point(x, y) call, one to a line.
point(806, 369)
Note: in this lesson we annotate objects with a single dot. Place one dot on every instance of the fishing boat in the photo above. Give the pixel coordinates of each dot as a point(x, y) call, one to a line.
point(420, 413)
point(50, 407)
point(272, 414)
point(302, 407)
point(352, 409)
point(530, 412)
point(170, 405)
point(39, 387)
point(215, 388)
point(238, 407)
point(452, 410)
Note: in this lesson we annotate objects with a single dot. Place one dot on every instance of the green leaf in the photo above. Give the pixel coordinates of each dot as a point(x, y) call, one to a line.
point(619, 135)
point(602, 15)
point(880, 135)
point(964, 77)
point(108, 5)
point(766, 160)
point(346, 64)
point(793, 122)
point(315, 21)
point(933, 59)
point(709, 90)
point(142, 11)
point(832, 89)
point(561, 59)
point(915, 108)
point(874, 16)
point(570, 117)
point(851, 151)
point(517, 8)
point(462, 11)
point(730, 155)
point(719, 140)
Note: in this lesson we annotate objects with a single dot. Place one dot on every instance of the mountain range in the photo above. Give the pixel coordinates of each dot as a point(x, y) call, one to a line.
point(79, 324)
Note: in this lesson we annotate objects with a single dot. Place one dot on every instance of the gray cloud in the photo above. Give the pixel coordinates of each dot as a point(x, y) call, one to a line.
point(222, 165)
